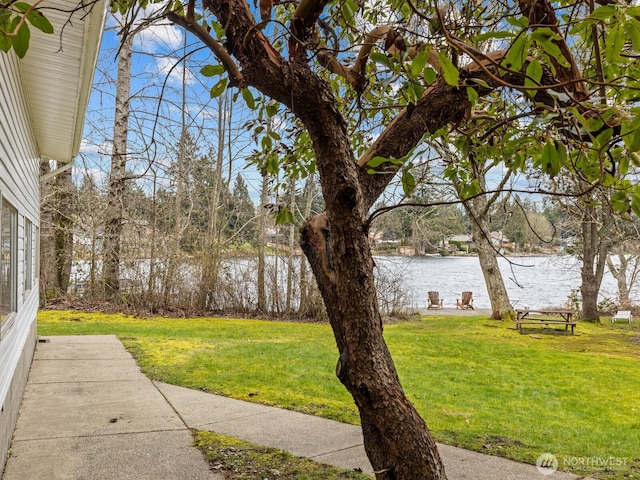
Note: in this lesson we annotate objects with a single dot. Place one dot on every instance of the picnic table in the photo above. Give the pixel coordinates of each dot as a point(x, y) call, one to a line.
point(542, 317)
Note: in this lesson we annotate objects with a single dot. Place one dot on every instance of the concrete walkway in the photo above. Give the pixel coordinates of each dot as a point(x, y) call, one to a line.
point(90, 414)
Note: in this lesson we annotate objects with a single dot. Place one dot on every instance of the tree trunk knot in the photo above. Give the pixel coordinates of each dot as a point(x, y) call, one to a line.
point(341, 367)
point(348, 195)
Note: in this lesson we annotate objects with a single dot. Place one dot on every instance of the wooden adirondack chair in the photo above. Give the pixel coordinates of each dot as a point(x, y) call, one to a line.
point(434, 300)
point(466, 302)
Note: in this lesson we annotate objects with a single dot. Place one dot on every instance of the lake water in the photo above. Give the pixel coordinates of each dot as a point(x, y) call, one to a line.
point(535, 281)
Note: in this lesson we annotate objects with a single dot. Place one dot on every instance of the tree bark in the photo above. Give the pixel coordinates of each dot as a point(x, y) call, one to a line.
point(56, 234)
point(478, 210)
point(304, 280)
point(291, 244)
point(152, 280)
point(397, 440)
point(594, 254)
point(117, 175)
point(620, 274)
point(262, 241)
point(213, 246)
point(500, 305)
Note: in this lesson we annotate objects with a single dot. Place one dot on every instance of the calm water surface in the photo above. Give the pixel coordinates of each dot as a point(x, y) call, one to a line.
point(535, 281)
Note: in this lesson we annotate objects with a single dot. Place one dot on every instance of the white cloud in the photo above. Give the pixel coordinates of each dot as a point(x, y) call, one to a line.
point(159, 38)
point(168, 66)
point(95, 149)
point(156, 37)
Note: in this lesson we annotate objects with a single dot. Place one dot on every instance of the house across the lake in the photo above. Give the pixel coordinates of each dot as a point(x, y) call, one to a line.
point(42, 105)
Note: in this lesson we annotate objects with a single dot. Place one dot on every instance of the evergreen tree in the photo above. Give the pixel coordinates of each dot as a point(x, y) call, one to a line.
point(241, 215)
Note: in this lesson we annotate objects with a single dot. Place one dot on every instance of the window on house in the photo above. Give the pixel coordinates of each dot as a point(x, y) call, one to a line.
point(8, 265)
point(28, 255)
point(36, 255)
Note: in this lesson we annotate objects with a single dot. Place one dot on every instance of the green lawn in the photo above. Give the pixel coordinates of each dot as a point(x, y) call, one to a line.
point(478, 384)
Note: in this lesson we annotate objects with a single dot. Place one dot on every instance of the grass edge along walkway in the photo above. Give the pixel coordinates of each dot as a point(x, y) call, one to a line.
point(245, 460)
point(478, 384)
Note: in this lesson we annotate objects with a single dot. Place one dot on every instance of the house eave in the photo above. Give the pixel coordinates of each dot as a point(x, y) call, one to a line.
point(57, 74)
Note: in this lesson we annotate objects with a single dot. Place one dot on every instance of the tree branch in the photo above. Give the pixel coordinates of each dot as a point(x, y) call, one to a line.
point(188, 22)
point(541, 14)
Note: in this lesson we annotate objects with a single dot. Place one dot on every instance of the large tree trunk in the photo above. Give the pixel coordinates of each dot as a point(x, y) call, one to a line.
point(213, 247)
point(153, 251)
point(291, 244)
point(478, 210)
point(500, 305)
point(304, 280)
point(594, 254)
point(117, 175)
point(56, 234)
point(620, 273)
point(262, 242)
point(397, 440)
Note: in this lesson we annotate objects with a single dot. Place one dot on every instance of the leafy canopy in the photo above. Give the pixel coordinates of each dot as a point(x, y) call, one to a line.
point(551, 88)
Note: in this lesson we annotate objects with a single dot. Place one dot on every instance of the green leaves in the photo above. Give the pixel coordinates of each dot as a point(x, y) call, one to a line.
point(390, 164)
point(418, 64)
point(632, 29)
point(21, 39)
point(630, 132)
point(517, 53)
point(381, 59)
point(614, 44)
point(603, 12)
point(247, 96)
point(534, 74)
point(546, 39)
point(635, 200)
point(554, 155)
point(283, 215)
point(408, 182)
point(271, 109)
point(35, 17)
point(212, 70)
point(14, 27)
point(219, 88)
point(449, 70)
point(349, 9)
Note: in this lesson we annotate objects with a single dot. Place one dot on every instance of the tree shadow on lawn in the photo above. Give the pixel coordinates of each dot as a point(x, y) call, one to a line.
point(535, 330)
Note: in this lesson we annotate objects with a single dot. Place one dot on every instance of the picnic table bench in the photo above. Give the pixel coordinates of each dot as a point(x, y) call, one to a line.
point(541, 317)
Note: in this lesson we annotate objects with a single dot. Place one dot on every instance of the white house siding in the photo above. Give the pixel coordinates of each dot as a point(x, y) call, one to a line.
point(19, 185)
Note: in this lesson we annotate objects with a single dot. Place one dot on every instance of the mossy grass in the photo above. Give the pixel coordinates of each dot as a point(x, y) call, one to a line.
point(478, 383)
point(246, 461)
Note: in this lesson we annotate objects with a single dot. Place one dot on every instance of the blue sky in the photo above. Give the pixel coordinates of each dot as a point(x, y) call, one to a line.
point(155, 125)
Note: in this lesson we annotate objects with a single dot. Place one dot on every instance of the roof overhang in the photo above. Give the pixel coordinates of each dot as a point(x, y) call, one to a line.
point(57, 74)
